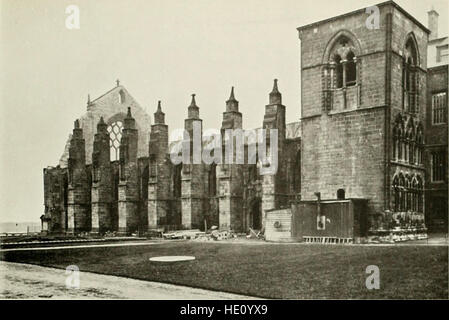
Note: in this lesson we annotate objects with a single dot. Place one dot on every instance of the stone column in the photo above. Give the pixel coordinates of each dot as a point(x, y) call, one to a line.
point(78, 206)
point(128, 198)
point(101, 181)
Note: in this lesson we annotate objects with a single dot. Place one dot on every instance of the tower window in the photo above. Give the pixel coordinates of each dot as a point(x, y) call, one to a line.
point(410, 81)
point(345, 70)
point(115, 136)
point(351, 74)
point(339, 72)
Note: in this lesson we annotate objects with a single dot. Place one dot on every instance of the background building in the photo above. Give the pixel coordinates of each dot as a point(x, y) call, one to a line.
point(437, 133)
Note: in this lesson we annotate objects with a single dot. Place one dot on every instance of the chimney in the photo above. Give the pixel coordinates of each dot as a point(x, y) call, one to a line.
point(433, 24)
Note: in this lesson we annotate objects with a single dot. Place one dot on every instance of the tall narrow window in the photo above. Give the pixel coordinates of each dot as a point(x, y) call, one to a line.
point(420, 194)
point(419, 145)
point(396, 194)
point(121, 97)
point(351, 71)
point(439, 107)
point(415, 196)
point(115, 135)
point(438, 166)
point(410, 77)
point(401, 193)
point(338, 72)
point(408, 195)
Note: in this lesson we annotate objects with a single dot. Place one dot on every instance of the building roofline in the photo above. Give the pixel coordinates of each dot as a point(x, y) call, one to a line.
point(438, 39)
point(390, 2)
point(107, 92)
point(438, 68)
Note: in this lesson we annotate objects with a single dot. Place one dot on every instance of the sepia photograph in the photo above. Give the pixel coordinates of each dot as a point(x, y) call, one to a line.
point(236, 151)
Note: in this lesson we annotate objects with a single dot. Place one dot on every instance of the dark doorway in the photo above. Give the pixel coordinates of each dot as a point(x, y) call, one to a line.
point(256, 214)
point(341, 194)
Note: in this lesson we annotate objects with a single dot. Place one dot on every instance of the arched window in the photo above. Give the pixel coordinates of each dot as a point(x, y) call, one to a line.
point(415, 196)
point(408, 195)
point(342, 57)
point(121, 97)
point(410, 77)
point(419, 145)
point(115, 136)
point(410, 142)
point(351, 70)
point(396, 194)
point(398, 139)
point(341, 194)
point(401, 187)
point(338, 72)
point(420, 194)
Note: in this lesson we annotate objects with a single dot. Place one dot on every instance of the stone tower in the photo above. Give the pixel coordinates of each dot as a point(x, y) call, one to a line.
point(128, 193)
point(101, 181)
point(363, 110)
point(78, 204)
point(193, 188)
point(159, 172)
point(230, 175)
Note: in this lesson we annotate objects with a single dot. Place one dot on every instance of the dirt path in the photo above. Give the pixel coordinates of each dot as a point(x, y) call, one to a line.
point(23, 281)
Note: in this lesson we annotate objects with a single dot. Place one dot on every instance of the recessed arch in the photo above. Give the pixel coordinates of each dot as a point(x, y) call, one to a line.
point(121, 97)
point(411, 49)
point(355, 46)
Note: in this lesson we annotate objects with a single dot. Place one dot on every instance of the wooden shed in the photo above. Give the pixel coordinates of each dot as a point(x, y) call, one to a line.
point(329, 221)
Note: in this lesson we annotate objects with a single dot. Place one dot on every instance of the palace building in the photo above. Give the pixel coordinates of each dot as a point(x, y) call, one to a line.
point(373, 128)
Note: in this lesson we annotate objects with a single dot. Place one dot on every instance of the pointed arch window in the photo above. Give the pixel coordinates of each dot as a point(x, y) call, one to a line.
point(410, 78)
point(338, 71)
point(407, 193)
point(419, 146)
point(398, 139)
point(420, 194)
point(341, 70)
point(115, 135)
point(396, 193)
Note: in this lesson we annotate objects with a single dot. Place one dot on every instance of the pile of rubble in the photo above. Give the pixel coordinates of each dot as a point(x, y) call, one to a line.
point(216, 235)
point(213, 234)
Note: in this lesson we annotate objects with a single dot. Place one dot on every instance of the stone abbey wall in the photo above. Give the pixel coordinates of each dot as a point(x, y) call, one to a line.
point(143, 190)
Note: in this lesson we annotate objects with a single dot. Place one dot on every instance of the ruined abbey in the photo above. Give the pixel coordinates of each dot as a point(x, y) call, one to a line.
point(116, 173)
point(369, 101)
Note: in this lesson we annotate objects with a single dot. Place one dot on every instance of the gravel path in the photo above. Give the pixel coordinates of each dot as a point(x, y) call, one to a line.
point(24, 281)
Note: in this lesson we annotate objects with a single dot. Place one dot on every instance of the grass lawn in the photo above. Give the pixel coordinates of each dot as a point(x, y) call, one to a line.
point(295, 271)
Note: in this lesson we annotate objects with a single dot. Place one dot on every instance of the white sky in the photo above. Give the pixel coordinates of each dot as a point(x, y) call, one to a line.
point(162, 49)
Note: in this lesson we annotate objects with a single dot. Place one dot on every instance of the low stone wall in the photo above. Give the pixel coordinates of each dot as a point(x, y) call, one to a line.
point(278, 225)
